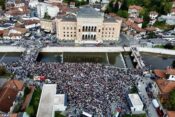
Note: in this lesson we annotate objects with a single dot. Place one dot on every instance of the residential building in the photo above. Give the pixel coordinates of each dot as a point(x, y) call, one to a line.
point(31, 23)
point(88, 26)
point(133, 29)
point(17, 11)
point(9, 94)
point(153, 17)
point(165, 86)
point(14, 33)
point(50, 101)
point(136, 105)
point(55, 1)
point(168, 74)
point(48, 25)
point(50, 9)
point(134, 11)
point(171, 113)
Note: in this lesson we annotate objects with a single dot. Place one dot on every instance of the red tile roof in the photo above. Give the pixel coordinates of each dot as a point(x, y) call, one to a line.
point(134, 26)
point(171, 113)
point(138, 20)
point(8, 94)
point(165, 86)
point(135, 7)
point(163, 73)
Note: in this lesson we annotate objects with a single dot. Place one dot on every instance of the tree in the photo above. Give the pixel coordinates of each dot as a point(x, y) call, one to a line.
point(30, 111)
point(47, 16)
point(173, 64)
point(2, 70)
point(167, 7)
point(172, 99)
point(2, 4)
point(168, 46)
point(123, 13)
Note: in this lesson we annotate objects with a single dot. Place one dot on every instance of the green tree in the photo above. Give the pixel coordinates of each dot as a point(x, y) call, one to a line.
point(173, 64)
point(168, 46)
point(2, 70)
point(172, 99)
point(47, 16)
point(167, 7)
point(2, 4)
point(30, 111)
point(123, 13)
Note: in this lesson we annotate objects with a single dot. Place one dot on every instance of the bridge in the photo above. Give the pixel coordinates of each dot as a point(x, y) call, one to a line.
point(137, 58)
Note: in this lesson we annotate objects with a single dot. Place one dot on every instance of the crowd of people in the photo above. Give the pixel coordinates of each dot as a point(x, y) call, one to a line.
point(90, 87)
point(93, 88)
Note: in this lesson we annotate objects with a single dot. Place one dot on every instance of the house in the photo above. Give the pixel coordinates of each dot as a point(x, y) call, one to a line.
point(48, 25)
point(9, 94)
point(134, 11)
point(30, 23)
point(172, 12)
point(72, 5)
point(171, 113)
point(135, 103)
point(165, 86)
point(168, 74)
point(17, 11)
point(14, 33)
point(133, 29)
point(138, 21)
point(153, 17)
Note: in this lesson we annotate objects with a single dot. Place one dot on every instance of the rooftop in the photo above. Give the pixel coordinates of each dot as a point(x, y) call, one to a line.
point(171, 113)
point(89, 12)
point(135, 99)
point(135, 7)
point(50, 101)
point(8, 94)
point(165, 86)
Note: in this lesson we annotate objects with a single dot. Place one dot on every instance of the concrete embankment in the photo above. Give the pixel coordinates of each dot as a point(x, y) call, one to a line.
point(11, 49)
point(157, 51)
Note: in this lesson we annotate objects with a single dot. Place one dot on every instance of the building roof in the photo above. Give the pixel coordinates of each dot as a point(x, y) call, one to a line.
point(69, 17)
point(150, 28)
point(15, 31)
point(135, 99)
point(134, 26)
point(163, 73)
point(153, 13)
point(9, 115)
point(165, 86)
point(8, 94)
point(159, 73)
point(138, 20)
point(171, 113)
point(89, 12)
point(50, 101)
point(135, 7)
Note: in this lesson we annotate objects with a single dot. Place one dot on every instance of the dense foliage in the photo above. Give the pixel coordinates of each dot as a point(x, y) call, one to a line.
point(120, 7)
point(2, 4)
point(170, 104)
point(33, 106)
point(2, 70)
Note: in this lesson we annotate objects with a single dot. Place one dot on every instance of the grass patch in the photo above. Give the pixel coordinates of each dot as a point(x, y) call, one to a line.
point(33, 106)
point(58, 114)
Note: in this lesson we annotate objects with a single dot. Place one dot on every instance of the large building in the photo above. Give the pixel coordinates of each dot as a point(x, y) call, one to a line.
point(50, 101)
point(88, 25)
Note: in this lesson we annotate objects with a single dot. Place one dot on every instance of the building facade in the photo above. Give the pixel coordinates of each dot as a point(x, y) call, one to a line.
point(87, 25)
point(48, 25)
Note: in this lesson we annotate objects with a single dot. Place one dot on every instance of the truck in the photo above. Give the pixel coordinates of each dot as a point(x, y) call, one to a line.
point(157, 107)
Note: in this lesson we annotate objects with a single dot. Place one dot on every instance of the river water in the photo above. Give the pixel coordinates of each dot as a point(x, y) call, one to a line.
point(154, 61)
